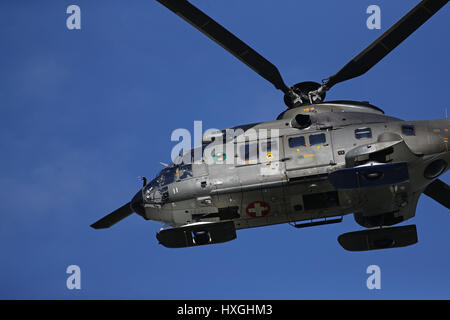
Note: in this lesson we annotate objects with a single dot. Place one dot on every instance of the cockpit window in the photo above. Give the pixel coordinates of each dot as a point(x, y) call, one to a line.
point(185, 171)
point(362, 133)
point(408, 130)
point(167, 175)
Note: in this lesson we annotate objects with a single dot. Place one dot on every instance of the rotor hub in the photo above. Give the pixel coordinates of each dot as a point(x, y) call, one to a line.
point(309, 93)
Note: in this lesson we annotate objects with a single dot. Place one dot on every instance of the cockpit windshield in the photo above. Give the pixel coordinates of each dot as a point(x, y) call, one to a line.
point(174, 173)
point(166, 176)
point(179, 169)
point(156, 191)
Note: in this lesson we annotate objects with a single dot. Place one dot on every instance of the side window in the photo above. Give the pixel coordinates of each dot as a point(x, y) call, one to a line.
point(363, 133)
point(295, 142)
point(249, 151)
point(408, 130)
point(315, 139)
point(185, 171)
point(269, 146)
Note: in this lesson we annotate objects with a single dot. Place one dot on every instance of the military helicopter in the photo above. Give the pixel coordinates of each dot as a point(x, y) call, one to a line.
point(323, 160)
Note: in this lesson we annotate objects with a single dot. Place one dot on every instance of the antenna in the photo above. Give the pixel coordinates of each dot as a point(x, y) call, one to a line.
point(144, 180)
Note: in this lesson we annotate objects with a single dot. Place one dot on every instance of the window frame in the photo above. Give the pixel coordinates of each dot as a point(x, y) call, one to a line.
point(361, 133)
point(406, 127)
point(297, 145)
point(317, 135)
point(271, 143)
point(245, 156)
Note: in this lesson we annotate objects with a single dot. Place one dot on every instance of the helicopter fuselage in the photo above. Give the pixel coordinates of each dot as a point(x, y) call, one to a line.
point(318, 165)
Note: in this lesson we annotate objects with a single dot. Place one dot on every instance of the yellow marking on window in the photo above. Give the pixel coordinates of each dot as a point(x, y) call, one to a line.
point(298, 149)
point(318, 147)
point(309, 155)
point(312, 109)
point(306, 109)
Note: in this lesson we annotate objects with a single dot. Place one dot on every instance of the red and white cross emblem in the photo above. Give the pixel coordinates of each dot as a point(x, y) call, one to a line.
point(258, 209)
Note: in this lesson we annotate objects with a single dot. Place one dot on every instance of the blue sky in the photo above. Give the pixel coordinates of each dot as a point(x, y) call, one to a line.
point(84, 112)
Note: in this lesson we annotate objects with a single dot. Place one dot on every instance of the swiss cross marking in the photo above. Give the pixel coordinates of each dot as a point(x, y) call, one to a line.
point(258, 209)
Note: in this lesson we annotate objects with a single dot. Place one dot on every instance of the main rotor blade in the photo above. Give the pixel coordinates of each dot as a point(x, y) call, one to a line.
point(387, 41)
point(114, 217)
point(227, 40)
point(440, 192)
